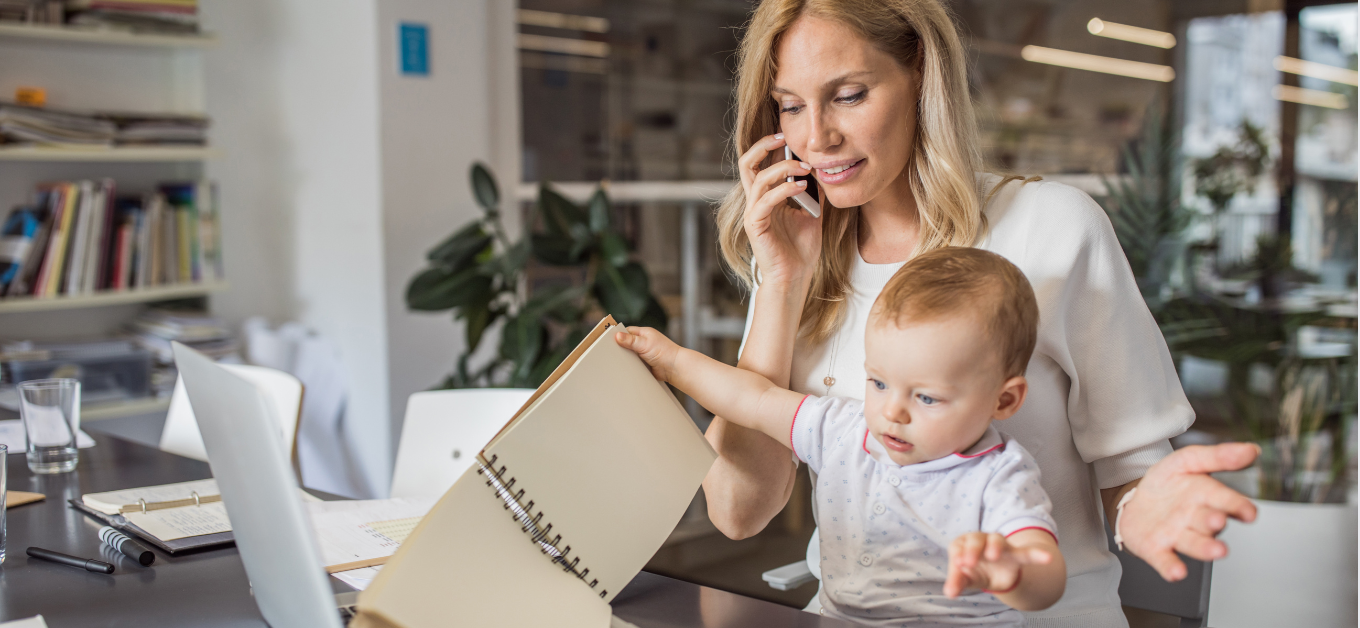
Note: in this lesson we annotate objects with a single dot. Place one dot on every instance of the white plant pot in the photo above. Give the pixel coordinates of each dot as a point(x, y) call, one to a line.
point(1295, 566)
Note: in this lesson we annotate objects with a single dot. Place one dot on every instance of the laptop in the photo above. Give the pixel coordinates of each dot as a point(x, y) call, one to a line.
point(269, 521)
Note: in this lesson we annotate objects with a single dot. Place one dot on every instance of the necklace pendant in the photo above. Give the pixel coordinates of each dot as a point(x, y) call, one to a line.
point(829, 380)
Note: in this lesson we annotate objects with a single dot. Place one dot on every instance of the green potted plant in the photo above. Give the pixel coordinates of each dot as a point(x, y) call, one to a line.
point(479, 274)
point(1145, 209)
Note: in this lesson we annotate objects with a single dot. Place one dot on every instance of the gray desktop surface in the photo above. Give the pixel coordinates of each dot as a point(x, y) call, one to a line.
point(209, 588)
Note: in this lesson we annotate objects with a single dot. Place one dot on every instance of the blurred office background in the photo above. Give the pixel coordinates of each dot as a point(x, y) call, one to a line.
point(1220, 136)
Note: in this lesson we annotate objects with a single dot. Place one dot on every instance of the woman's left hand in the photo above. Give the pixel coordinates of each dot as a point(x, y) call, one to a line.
point(1179, 508)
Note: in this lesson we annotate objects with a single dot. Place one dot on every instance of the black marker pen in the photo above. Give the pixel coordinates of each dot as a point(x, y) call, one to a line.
point(97, 566)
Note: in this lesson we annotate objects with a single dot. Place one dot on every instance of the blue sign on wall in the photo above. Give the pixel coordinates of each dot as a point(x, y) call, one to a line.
point(414, 40)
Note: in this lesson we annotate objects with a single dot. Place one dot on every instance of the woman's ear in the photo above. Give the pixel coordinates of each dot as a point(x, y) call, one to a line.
point(1011, 398)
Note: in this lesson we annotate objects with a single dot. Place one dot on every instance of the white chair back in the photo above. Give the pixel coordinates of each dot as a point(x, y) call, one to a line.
point(443, 432)
point(181, 436)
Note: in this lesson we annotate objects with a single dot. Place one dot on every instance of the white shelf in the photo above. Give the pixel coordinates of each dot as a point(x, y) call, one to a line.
point(146, 154)
point(13, 305)
point(128, 407)
point(70, 34)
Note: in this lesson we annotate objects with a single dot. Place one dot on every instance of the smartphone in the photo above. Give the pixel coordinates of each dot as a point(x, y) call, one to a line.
point(805, 199)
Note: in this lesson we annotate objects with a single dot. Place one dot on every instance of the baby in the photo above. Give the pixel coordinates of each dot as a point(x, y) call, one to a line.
point(927, 514)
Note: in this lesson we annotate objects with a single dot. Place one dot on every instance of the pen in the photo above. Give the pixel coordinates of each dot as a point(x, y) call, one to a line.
point(96, 566)
point(122, 543)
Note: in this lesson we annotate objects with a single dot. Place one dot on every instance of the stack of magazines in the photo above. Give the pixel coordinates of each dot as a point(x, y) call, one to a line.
point(49, 127)
point(159, 129)
point(43, 126)
point(142, 16)
point(81, 237)
point(154, 329)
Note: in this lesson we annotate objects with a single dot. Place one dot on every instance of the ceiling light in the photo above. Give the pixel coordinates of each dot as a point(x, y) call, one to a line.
point(567, 21)
point(563, 45)
point(1145, 36)
point(1096, 63)
point(1314, 97)
point(1315, 70)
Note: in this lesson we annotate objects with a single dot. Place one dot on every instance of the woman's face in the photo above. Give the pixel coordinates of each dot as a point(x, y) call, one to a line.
point(846, 108)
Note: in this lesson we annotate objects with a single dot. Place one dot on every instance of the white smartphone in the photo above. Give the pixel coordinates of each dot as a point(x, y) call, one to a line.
point(803, 199)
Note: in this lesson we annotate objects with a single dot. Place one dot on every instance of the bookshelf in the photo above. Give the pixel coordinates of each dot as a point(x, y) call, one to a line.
point(11, 305)
point(67, 34)
point(92, 70)
point(115, 154)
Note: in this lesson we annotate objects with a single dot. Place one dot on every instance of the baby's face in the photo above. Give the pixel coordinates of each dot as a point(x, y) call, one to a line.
point(933, 387)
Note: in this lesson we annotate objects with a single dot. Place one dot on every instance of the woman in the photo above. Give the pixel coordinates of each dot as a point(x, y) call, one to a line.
point(872, 96)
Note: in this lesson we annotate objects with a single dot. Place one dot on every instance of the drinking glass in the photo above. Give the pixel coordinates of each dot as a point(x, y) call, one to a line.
point(50, 409)
point(4, 495)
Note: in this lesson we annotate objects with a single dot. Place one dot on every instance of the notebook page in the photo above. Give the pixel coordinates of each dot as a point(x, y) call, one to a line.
point(469, 563)
point(610, 459)
point(177, 523)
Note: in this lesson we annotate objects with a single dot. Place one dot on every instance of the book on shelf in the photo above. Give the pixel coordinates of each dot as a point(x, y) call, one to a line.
point(44, 12)
point(90, 239)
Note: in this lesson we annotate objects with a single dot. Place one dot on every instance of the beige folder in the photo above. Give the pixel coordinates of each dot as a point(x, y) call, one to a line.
point(565, 506)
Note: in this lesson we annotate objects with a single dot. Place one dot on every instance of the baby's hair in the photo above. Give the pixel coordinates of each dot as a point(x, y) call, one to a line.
point(957, 280)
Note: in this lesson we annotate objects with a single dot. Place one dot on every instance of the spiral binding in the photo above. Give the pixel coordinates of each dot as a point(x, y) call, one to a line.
point(531, 523)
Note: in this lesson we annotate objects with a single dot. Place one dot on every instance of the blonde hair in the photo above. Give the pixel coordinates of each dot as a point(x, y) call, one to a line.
point(944, 159)
point(964, 281)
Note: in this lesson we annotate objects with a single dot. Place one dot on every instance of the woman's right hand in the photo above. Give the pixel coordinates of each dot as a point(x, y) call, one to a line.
point(785, 239)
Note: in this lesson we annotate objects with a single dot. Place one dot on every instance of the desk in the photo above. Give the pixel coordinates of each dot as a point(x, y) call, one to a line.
point(209, 588)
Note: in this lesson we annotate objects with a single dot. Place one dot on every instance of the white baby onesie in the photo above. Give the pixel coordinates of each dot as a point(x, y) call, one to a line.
point(885, 527)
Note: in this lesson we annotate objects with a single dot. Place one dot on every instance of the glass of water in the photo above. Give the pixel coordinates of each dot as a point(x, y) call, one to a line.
point(50, 409)
point(4, 495)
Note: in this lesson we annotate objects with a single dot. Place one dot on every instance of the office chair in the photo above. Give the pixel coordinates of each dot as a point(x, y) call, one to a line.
point(442, 433)
point(181, 436)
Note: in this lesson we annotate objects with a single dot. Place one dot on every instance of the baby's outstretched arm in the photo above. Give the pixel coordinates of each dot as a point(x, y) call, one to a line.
point(1025, 571)
point(742, 397)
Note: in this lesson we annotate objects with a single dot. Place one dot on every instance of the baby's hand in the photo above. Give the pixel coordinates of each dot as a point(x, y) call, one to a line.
point(988, 562)
point(653, 347)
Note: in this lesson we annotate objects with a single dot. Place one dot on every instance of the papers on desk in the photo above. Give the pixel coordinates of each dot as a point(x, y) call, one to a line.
point(12, 435)
point(363, 533)
point(359, 578)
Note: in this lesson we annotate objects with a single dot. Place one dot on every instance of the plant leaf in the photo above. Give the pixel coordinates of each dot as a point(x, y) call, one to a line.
point(623, 291)
point(559, 213)
point(522, 342)
point(484, 188)
point(613, 249)
point(654, 316)
point(477, 318)
point(439, 289)
point(553, 298)
point(556, 250)
point(515, 258)
point(462, 246)
point(598, 207)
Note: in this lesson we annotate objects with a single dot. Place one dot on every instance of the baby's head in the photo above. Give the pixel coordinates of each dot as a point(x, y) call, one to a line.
point(946, 348)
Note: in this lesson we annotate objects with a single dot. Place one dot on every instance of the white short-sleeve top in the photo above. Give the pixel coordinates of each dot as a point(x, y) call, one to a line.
point(1104, 397)
point(886, 528)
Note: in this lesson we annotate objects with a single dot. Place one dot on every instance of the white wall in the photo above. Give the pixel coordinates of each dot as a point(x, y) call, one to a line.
point(340, 173)
point(433, 128)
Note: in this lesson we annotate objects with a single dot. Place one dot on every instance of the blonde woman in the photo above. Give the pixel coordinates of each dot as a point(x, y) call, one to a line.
point(872, 98)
